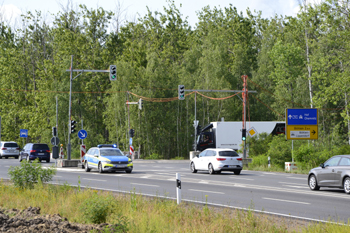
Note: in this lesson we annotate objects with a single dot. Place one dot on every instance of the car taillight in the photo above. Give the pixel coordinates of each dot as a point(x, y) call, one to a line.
point(17, 148)
point(3, 148)
point(32, 151)
point(48, 151)
point(220, 159)
point(239, 159)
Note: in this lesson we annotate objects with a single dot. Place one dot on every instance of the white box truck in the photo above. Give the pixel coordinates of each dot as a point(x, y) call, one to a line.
point(228, 134)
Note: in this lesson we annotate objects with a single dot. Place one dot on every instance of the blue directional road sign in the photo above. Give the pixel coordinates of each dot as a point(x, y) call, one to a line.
point(23, 133)
point(82, 134)
point(130, 141)
point(301, 116)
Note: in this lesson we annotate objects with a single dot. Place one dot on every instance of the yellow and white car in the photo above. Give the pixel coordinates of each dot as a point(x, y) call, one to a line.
point(107, 158)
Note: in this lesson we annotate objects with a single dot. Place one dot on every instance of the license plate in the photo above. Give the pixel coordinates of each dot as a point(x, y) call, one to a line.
point(232, 166)
point(121, 166)
point(41, 153)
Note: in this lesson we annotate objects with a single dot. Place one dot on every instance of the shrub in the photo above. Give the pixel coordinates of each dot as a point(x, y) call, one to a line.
point(96, 208)
point(279, 151)
point(25, 175)
point(258, 144)
point(154, 156)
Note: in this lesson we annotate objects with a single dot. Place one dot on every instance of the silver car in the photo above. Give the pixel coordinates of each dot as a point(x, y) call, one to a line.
point(216, 161)
point(9, 149)
point(334, 173)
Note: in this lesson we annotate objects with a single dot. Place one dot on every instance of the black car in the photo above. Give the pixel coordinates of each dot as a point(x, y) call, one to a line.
point(32, 151)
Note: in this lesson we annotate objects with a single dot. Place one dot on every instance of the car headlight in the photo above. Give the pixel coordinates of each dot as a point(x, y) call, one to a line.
point(130, 161)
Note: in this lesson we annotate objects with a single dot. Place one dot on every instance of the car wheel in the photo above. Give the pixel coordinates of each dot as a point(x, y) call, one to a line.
point(193, 169)
point(313, 183)
point(87, 169)
point(211, 169)
point(6, 157)
point(347, 185)
point(100, 170)
point(48, 160)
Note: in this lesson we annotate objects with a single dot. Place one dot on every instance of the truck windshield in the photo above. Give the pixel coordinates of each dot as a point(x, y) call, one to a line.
point(228, 154)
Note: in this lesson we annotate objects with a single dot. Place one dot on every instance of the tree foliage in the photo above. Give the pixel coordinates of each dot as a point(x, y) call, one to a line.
point(292, 62)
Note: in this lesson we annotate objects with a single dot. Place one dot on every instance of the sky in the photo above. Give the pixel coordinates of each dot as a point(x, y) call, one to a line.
point(10, 9)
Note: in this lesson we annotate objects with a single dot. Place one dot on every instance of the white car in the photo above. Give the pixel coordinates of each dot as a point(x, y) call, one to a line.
point(217, 160)
point(9, 149)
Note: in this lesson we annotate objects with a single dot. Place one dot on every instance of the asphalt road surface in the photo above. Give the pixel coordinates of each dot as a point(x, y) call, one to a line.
point(283, 194)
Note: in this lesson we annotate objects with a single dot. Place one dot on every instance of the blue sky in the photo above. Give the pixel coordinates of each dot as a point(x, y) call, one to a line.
point(10, 9)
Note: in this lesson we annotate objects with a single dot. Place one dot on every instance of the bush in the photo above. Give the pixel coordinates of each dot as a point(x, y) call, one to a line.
point(279, 151)
point(259, 161)
point(25, 175)
point(154, 156)
point(258, 144)
point(96, 208)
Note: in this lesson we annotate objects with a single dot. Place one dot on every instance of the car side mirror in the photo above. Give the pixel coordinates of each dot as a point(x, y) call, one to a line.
point(322, 165)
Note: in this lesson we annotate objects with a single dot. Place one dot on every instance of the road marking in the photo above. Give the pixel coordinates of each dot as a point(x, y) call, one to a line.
point(203, 182)
point(205, 191)
point(297, 202)
point(144, 177)
point(168, 167)
point(292, 186)
point(94, 179)
point(57, 176)
point(145, 184)
point(290, 183)
point(297, 178)
point(238, 178)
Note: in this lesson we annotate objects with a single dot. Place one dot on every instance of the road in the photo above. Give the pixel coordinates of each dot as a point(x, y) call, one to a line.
point(270, 192)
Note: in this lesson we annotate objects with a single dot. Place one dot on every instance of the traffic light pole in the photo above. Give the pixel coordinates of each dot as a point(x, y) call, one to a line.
point(71, 70)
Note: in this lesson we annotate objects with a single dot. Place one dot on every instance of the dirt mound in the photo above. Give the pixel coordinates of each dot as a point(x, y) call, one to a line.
point(30, 220)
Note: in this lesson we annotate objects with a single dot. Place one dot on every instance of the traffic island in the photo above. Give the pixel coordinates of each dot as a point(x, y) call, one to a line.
point(67, 163)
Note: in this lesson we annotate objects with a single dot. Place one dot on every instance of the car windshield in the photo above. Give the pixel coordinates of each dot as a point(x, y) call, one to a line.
point(228, 153)
point(40, 147)
point(111, 152)
point(9, 144)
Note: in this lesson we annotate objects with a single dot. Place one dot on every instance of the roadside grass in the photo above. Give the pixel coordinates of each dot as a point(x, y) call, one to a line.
point(135, 213)
point(265, 168)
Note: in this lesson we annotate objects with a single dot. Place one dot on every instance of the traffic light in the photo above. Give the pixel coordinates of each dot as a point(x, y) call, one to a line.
point(131, 132)
point(181, 92)
point(72, 126)
point(199, 129)
point(140, 104)
point(112, 72)
point(244, 134)
point(54, 131)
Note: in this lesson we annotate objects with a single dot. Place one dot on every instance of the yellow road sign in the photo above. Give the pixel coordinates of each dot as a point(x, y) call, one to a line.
point(302, 132)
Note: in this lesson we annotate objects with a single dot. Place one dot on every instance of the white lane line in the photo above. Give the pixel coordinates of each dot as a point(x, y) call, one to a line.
point(290, 183)
point(145, 184)
point(297, 178)
point(203, 182)
point(205, 191)
point(94, 179)
point(238, 178)
point(297, 202)
point(298, 187)
point(169, 167)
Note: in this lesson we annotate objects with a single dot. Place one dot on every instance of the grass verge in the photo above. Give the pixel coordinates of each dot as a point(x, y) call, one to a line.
point(135, 213)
